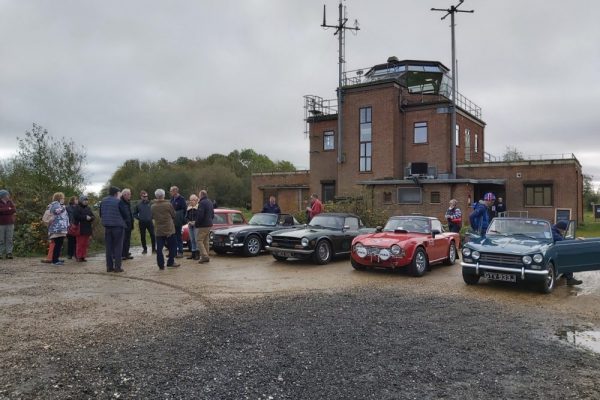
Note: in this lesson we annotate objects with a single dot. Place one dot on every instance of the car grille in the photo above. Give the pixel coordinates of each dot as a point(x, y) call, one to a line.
point(285, 242)
point(500, 259)
point(373, 251)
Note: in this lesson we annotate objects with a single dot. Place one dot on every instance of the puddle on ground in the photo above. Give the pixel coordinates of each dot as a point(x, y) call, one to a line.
point(578, 337)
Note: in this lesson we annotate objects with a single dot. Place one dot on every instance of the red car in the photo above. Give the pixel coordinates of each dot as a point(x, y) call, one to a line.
point(224, 218)
point(413, 242)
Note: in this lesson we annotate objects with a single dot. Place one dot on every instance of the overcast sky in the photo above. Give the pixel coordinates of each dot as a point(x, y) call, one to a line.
point(147, 79)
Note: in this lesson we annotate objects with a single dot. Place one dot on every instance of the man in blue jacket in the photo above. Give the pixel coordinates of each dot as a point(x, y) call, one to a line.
point(271, 206)
point(479, 218)
point(180, 206)
point(204, 221)
point(558, 234)
point(114, 229)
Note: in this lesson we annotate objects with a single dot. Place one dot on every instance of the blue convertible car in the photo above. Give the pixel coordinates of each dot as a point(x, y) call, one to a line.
point(522, 249)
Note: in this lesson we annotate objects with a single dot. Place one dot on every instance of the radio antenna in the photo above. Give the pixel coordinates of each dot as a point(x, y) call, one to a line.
point(451, 11)
point(340, 30)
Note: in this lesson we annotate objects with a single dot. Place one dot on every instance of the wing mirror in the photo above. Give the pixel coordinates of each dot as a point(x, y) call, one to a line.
point(435, 232)
point(379, 228)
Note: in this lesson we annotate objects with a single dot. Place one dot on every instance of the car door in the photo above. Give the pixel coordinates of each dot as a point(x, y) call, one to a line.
point(440, 243)
point(574, 255)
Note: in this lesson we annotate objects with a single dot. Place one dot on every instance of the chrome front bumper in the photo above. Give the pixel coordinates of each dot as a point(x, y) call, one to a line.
point(519, 271)
point(284, 250)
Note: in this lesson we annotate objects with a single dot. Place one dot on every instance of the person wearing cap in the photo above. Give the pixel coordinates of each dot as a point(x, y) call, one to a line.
point(479, 218)
point(558, 234)
point(83, 216)
point(114, 229)
point(7, 224)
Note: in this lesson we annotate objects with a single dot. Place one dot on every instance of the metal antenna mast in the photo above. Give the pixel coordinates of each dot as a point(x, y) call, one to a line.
point(451, 11)
point(340, 29)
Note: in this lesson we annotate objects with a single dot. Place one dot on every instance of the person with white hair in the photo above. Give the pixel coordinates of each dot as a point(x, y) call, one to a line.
point(125, 207)
point(454, 216)
point(163, 214)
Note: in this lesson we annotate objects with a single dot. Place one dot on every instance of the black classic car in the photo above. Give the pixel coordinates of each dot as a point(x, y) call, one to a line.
point(327, 235)
point(523, 249)
point(250, 239)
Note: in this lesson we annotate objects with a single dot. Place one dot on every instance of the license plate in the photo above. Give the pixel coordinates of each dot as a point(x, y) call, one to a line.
point(284, 254)
point(497, 276)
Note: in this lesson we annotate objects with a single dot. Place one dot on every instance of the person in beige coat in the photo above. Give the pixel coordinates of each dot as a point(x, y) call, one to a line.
point(163, 215)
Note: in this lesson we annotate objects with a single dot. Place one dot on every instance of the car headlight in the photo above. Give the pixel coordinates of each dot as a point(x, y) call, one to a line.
point(304, 242)
point(466, 252)
point(475, 254)
point(269, 239)
point(231, 237)
point(527, 260)
point(384, 254)
point(211, 235)
point(538, 258)
point(396, 250)
point(360, 250)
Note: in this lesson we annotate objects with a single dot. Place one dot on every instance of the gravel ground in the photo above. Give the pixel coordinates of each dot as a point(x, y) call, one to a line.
point(357, 343)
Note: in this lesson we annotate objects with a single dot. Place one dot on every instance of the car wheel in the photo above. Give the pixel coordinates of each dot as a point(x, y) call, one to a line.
point(356, 265)
point(219, 250)
point(252, 246)
point(419, 264)
point(279, 258)
point(322, 254)
point(451, 254)
point(547, 286)
point(470, 279)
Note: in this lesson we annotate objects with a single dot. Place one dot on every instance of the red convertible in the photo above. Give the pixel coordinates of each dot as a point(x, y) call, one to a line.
point(408, 241)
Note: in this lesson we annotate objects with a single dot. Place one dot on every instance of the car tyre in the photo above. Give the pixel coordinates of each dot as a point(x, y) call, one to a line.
point(419, 263)
point(252, 246)
point(356, 265)
point(470, 279)
point(452, 252)
point(322, 254)
point(279, 258)
point(547, 286)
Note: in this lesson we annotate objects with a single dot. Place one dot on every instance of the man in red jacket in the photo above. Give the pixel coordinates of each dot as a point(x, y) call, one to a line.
point(315, 208)
point(7, 224)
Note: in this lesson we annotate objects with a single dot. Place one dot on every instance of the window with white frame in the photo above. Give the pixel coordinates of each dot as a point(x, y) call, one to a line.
point(467, 145)
point(365, 144)
point(476, 143)
point(420, 132)
point(328, 140)
point(457, 132)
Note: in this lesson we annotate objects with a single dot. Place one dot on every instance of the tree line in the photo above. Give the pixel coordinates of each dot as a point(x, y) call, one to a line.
point(44, 165)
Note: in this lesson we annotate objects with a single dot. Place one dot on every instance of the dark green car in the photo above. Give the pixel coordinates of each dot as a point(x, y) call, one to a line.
point(523, 249)
point(326, 236)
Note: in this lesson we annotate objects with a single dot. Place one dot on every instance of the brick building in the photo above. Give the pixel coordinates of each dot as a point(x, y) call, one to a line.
point(395, 147)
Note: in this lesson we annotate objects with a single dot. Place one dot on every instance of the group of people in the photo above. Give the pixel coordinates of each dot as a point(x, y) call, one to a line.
point(163, 219)
point(73, 221)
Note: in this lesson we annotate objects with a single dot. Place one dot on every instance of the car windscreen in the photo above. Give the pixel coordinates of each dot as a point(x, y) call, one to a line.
point(220, 219)
point(264, 219)
point(531, 228)
point(327, 221)
point(417, 225)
